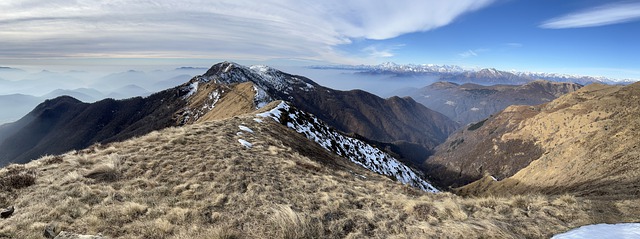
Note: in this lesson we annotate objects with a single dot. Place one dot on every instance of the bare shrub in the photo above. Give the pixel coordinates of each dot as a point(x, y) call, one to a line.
point(17, 177)
point(423, 211)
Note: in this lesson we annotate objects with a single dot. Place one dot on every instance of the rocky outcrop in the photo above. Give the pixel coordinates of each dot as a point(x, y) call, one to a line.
point(70, 235)
point(7, 212)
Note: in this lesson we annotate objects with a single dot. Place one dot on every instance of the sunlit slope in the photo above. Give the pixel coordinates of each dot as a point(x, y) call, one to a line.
point(585, 142)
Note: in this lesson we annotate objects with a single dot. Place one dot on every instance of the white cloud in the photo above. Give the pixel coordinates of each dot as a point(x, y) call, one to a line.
point(379, 51)
point(232, 29)
point(599, 16)
point(472, 53)
point(467, 54)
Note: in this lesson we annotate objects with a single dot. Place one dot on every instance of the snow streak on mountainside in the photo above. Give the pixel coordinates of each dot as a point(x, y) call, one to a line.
point(355, 150)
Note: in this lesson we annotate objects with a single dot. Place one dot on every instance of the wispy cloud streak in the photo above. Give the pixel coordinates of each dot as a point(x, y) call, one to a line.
point(599, 16)
point(232, 29)
point(472, 53)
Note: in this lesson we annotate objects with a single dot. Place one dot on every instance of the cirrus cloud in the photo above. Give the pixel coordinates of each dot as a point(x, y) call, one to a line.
point(233, 29)
point(598, 16)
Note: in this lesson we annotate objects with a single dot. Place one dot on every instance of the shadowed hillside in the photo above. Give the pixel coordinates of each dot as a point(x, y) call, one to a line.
point(64, 123)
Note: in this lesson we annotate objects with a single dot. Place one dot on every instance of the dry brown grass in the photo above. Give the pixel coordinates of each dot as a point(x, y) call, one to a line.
point(199, 182)
point(585, 143)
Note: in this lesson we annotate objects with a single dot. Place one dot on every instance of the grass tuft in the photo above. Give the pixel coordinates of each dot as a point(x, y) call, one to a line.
point(108, 171)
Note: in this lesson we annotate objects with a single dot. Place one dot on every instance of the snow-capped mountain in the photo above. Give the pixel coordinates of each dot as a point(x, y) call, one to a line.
point(390, 67)
point(269, 83)
point(486, 76)
point(359, 112)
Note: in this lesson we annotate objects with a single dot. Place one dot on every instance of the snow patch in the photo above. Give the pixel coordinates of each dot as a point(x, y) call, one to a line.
point(272, 78)
point(245, 143)
point(603, 231)
point(275, 112)
point(475, 109)
point(245, 129)
point(261, 98)
point(451, 103)
point(257, 120)
point(193, 88)
point(214, 97)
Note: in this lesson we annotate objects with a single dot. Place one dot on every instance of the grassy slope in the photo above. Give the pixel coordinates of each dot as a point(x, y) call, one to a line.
point(199, 182)
point(585, 143)
point(590, 141)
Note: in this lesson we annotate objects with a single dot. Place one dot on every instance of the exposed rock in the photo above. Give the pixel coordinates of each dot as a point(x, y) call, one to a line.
point(71, 235)
point(50, 231)
point(6, 213)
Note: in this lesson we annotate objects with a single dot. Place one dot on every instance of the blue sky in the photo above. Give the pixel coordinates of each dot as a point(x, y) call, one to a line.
point(587, 37)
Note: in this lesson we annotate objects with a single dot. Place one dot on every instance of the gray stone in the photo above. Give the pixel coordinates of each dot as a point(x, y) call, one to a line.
point(6, 213)
point(50, 231)
point(71, 235)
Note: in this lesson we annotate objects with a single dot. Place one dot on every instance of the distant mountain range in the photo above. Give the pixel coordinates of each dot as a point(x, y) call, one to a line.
point(16, 81)
point(468, 103)
point(22, 91)
point(457, 74)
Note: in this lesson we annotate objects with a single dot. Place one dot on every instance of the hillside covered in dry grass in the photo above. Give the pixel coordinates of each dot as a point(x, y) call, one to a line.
point(590, 145)
point(205, 181)
point(584, 143)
